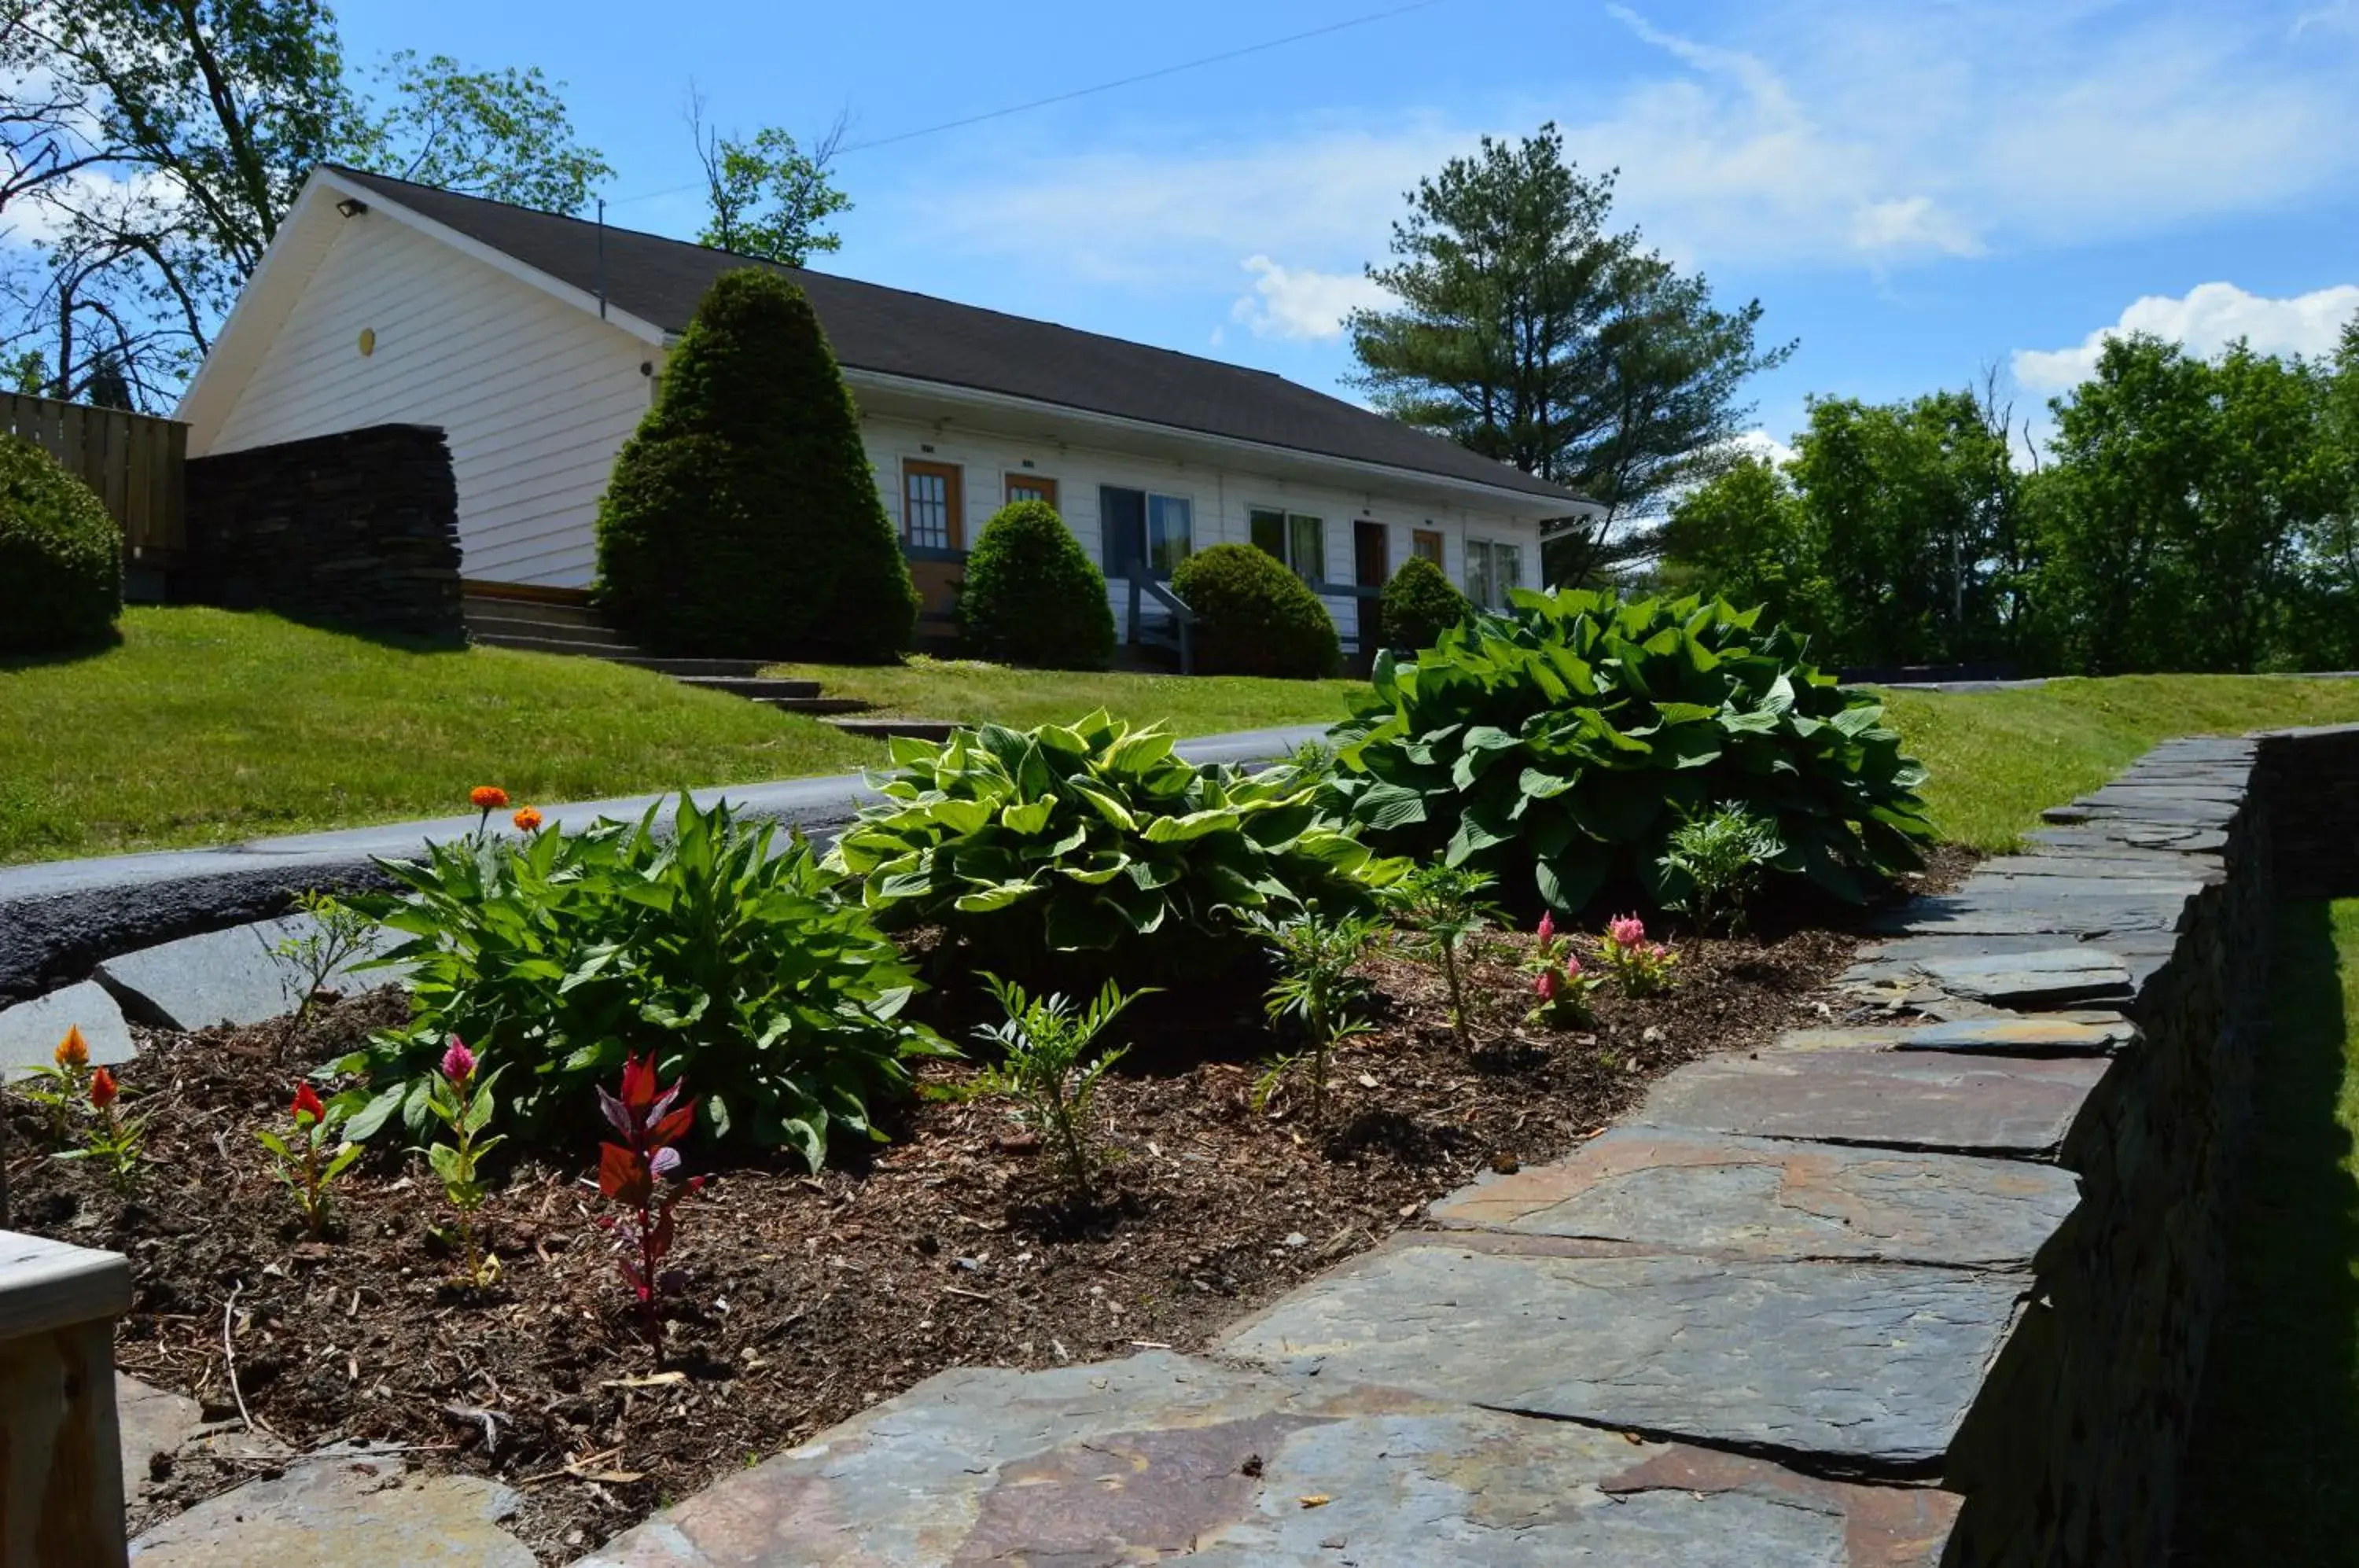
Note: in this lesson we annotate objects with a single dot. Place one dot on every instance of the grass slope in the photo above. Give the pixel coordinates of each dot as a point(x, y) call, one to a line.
point(205, 726)
point(1997, 759)
point(2273, 1474)
point(976, 693)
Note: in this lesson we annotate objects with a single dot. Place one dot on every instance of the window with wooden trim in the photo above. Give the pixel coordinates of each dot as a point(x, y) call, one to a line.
point(1145, 531)
point(931, 505)
point(1031, 487)
point(1299, 541)
point(1426, 544)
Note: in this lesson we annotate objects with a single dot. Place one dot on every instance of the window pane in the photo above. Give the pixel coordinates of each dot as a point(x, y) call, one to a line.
point(1478, 573)
point(926, 509)
point(1507, 570)
point(1309, 557)
point(1269, 532)
point(1121, 516)
point(1170, 531)
point(1427, 544)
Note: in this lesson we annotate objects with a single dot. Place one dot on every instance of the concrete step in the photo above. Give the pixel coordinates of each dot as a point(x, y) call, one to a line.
point(523, 623)
point(694, 669)
point(933, 730)
point(474, 604)
point(570, 646)
point(818, 707)
point(754, 685)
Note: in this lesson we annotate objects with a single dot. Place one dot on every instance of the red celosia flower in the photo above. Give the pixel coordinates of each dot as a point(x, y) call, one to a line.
point(488, 797)
point(458, 1063)
point(73, 1051)
point(527, 821)
point(307, 1105)
point(101, 1088)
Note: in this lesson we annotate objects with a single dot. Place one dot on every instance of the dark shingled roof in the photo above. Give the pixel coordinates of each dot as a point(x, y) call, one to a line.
point(659, 280)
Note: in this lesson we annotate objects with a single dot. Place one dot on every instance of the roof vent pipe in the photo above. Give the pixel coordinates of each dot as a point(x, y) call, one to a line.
point(600, 274)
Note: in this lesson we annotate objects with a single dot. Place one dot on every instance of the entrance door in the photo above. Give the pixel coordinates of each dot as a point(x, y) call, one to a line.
point(1371, 554)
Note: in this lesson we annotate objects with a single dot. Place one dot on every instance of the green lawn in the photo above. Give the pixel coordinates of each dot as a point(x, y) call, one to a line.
point(1997, 759)
point(2273, 1474)
point(975, 693)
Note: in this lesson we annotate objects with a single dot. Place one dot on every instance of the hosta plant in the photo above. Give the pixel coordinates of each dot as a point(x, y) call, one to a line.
point(1559, 745)
point(713, 951)
point(1091, 848)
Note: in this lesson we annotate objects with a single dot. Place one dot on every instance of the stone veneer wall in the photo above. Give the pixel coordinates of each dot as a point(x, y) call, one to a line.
point(358, 530)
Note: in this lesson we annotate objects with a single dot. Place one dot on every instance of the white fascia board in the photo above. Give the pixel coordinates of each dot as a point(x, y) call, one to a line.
point(1523, 501)
point(489, 255)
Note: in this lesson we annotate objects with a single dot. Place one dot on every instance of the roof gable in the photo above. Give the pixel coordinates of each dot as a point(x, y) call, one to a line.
point(896, 332)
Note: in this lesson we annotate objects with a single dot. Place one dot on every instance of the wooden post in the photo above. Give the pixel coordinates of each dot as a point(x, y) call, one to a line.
point(61, 1455)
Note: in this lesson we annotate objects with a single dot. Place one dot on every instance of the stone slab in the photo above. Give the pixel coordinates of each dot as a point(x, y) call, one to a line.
point(2131, 835)
point(1864, 1365)
point(149, 1422)
point(2052, 978)
point(2013, 1035)
point(29, 1032)
point(1923, 1100)
point(1669, 1189)
point(226, 976)
point(2121, 861)
point(342, 1508)
point(1161, 1457)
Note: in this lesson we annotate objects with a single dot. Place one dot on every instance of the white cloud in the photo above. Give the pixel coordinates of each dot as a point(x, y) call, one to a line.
point(1762, 444)
point(2207, 319)
point(1846, 133)
point(1301, 303)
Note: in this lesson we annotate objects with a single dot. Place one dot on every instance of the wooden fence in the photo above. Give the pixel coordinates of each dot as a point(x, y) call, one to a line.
point(134, 463)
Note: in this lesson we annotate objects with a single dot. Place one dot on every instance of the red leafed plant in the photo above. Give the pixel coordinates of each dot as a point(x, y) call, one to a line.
point(633, 1173)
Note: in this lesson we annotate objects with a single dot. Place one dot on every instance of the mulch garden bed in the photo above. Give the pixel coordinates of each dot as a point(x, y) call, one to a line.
point(807, 1298)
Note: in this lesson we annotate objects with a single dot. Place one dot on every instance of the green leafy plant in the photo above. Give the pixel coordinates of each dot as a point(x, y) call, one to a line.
point(60, 1086)
point(115, 1141)
point(642, 1175)
point(1560, 987)
point(330, 935)
point(303, 1161)
point(1033, 595)
point(464, 1101)
point(1049, 1066)
point(561, 956)
point(1442, 905)
point(1317, 990)
point(60, 556)
point(1559, 745)
point(1419, 604)
point(1255, 615)
point(1641, 967)
point(1092, 846)
point(743, 517)
point(1714, 862)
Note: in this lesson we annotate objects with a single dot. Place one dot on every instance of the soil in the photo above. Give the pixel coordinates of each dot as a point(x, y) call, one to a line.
point(806, 1298)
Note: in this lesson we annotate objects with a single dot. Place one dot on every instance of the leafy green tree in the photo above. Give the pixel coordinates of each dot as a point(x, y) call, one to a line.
point(502, 134)
point(1527, 331)
point(1915, 511)
point(1744, 536)
point(768, 196)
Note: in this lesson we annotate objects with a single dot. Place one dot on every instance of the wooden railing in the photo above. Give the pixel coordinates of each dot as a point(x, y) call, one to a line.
point(133, 461)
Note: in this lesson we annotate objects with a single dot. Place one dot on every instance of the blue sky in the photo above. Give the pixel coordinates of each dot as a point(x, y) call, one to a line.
point(1914, 188)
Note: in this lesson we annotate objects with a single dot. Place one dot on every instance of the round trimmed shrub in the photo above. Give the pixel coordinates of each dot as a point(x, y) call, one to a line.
point(743, 519)
point(1419, 605)
point(1033, 595)
point(1255, 617)
point(60, 556)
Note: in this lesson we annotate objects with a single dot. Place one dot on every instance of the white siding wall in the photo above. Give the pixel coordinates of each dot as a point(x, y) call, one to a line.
point(1223, 499)
point(533, 394)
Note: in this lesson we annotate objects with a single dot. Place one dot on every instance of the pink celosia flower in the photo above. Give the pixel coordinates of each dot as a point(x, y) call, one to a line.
point(1548, 926)
point(458, 1063)
point(1546, 985)
point(1628, 931)
point(1571, 966)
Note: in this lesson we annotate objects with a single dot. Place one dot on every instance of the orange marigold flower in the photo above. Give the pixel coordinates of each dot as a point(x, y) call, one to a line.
point(101, 1088)
point(73, 1051)
point(527, 821)
point(488, 797)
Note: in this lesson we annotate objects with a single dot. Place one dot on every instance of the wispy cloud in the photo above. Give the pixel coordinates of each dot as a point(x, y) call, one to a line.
point(1302, 302)
point(2206, 319)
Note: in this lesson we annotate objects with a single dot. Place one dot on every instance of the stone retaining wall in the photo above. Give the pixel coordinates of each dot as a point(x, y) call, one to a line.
point(358, 530)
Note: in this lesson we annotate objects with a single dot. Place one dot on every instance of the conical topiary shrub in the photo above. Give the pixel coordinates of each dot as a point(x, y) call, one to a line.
point(1419, 605)
point(1033, 595)
point(743, 518)
point(60, 556)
